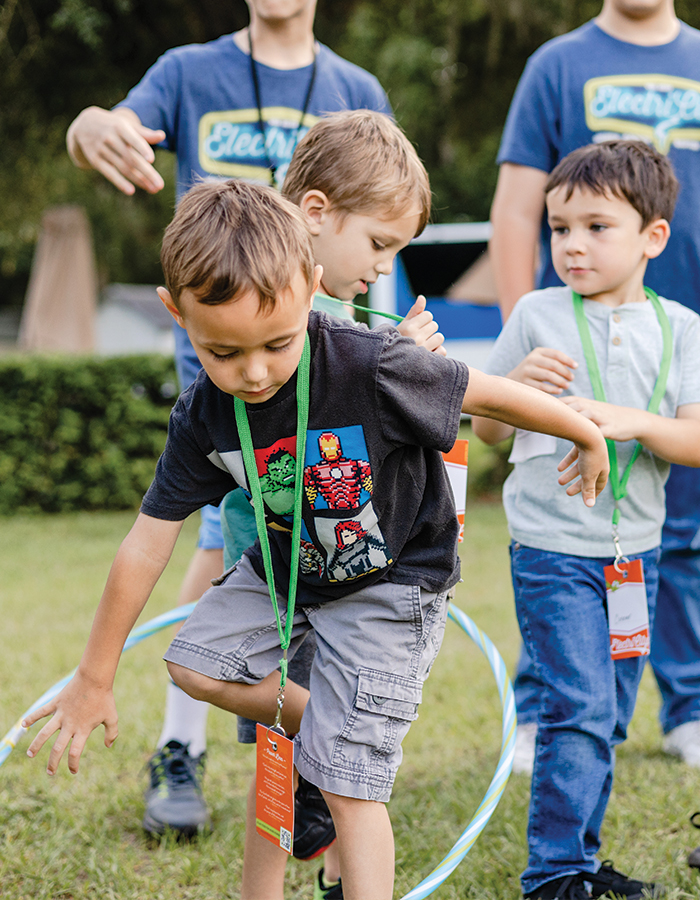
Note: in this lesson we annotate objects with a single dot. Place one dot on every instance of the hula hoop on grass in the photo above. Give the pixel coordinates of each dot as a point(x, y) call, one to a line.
point(487, 806)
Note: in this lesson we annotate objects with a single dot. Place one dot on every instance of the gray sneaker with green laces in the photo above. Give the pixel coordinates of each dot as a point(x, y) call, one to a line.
point(174, 800)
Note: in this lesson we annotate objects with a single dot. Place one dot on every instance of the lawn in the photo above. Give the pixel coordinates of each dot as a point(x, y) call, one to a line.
point(80, 837)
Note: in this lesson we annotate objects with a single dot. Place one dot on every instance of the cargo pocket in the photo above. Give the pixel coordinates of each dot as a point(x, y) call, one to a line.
point(384, 707)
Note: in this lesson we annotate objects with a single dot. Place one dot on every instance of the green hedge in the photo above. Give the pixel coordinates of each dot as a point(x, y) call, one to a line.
point(81, 432)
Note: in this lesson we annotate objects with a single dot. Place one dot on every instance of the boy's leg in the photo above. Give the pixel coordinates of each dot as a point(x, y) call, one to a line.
point(366, 846)
point(263, 863)
point(375, 649)
point(586, 704)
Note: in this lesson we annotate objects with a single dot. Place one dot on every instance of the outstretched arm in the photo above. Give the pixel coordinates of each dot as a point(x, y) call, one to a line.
point(675, 440)
point(87, 700)
point(118, 146)
point(520, 406)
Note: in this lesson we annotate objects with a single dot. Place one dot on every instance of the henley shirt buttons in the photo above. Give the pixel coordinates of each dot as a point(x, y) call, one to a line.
point(617, 318)
point(617, 341)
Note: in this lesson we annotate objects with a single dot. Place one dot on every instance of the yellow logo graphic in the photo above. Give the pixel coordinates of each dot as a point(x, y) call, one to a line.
point(661, 109)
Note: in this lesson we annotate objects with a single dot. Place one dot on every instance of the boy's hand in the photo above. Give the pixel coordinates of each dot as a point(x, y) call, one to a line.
point(619, 423)
point(585, 471)
point(547, 369)
point(420, 325)
point(77, 711)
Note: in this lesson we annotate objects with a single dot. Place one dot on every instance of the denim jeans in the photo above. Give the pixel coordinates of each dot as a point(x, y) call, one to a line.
point(675, 650)
point(585, 703)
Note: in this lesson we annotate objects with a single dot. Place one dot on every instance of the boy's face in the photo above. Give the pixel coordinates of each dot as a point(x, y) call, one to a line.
point(599, 247)
point(245, 352)
point(354, 249)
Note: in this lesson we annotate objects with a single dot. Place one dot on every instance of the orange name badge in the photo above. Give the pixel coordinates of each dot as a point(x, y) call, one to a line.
point(274, 794)
point(628, 614)
point(456, 464)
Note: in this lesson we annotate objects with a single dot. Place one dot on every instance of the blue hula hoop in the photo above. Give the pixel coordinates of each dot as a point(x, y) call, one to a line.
point(485, 809)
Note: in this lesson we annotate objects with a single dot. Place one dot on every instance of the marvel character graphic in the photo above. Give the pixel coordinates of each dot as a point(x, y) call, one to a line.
point(356, 553)
point(277, 484)
point(310, 559)
point(338, 480)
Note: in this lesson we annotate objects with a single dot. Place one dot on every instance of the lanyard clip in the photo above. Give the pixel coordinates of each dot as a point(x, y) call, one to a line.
point(618, 550)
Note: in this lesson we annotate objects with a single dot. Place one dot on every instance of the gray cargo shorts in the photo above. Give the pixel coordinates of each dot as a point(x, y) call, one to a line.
point(375, 649)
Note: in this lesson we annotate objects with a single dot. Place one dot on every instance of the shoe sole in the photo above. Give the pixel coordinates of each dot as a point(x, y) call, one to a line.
point(186, 832)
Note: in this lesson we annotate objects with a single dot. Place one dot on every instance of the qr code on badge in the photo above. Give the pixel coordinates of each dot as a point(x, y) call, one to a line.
point(286, 840)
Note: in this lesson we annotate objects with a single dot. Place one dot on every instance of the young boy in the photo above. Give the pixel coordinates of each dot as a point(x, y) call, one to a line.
point(241, 277)
point(355, 175)
point(609, 207)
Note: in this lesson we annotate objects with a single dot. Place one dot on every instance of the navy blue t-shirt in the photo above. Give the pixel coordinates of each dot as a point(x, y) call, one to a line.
point(587, 86)
point(202, 96)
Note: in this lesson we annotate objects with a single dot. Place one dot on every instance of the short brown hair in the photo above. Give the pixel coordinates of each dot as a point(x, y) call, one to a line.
point(363, 163)
point(230, 237)
point(631, 170)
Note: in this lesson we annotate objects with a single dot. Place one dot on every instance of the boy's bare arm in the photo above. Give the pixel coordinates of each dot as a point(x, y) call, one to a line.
point(87, 700)
point(520, 406)
point(544, 368)
point(117, 145)
point(675, 440)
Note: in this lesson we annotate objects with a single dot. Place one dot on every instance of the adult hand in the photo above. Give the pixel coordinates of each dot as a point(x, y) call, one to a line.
point(118, 146)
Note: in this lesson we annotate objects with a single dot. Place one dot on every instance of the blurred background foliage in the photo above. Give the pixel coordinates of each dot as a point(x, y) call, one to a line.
point(449, 67)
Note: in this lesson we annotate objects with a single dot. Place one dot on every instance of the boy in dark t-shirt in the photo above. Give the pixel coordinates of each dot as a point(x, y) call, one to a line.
point(240, 277)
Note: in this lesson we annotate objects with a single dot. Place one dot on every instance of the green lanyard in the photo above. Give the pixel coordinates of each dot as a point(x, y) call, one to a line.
point(367, 309)
point(251, 469)
point(619, 485)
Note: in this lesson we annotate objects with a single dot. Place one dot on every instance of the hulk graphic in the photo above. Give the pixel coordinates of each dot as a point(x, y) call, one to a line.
point(277, 484)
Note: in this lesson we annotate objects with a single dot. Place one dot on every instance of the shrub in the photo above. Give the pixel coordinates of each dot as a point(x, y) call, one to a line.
point(81, 432)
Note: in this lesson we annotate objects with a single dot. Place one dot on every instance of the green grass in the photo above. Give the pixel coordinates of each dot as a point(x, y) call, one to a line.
point(80, 837)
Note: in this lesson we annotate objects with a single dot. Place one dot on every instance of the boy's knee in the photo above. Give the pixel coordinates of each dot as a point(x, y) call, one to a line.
point(193, 683)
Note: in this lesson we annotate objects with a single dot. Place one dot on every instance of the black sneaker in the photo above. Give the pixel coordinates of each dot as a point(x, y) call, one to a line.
point(314, 831)
point(174, 798)
point(608, 882)
point(323, 891)
point(569, 887)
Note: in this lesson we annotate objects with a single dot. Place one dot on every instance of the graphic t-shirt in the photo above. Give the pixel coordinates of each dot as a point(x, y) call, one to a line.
point(587, 86)
point(377, 503)
point(203, 97)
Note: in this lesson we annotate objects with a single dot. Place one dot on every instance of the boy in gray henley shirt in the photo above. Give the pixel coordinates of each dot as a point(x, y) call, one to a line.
point(609, 207)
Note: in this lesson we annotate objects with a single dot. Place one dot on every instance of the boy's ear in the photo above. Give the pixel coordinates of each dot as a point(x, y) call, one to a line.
point(658, 233)
point(315, 206)
point(318, 275)
point(169, 304)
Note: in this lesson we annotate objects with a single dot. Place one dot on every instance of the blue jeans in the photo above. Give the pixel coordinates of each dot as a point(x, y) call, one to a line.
point(585, 703)
point(675, 649)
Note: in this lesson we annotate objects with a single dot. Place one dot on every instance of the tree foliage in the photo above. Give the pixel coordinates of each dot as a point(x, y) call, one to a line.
point(449, 66)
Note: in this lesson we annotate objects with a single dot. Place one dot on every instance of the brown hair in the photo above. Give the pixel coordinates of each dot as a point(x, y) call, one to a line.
point(363, 163)
point(631, 170)
point(231, 237)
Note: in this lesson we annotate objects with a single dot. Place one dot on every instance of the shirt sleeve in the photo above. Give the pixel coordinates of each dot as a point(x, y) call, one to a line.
point(156, 98)
point(419, 394)
point(532, 133)
point(189, 474)
point(512, 344)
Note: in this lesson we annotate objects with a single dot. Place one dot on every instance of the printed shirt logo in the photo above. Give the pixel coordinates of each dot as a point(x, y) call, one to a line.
point(231, 141)
point(662, 109)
